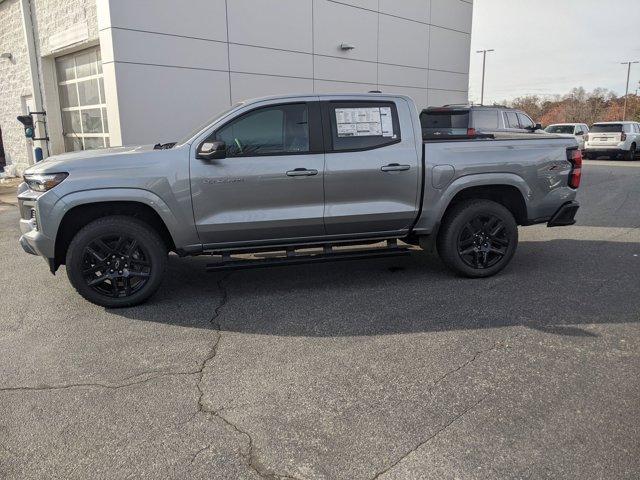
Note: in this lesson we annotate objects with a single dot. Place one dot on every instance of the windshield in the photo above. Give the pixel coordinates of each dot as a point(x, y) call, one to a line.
point(448, 122)
point(560, 129)
point(201, 127)
point(607, 128)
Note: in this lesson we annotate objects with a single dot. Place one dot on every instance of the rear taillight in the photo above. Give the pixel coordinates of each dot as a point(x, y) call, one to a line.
point(623, 137)
point(471, 132)
point(574, 156)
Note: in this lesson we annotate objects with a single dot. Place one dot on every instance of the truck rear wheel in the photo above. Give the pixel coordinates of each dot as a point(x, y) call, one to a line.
point(477, 238)
point(116, 261)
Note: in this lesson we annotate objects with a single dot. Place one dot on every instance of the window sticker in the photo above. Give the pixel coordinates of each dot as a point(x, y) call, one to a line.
point(364, 122)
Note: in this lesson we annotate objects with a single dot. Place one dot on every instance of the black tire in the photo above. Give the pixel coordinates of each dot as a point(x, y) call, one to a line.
point(485, 227)
point(111, 281)
point(631, 154)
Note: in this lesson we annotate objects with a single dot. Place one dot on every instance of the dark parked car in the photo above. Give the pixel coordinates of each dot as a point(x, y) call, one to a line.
point(470, 120)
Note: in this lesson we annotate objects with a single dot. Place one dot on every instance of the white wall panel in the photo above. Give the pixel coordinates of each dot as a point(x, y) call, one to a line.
point(200, 18)
point(340, 87)
point(449, 50)
point(329, 68)
point(335, 24)
point(274, 62)
point(403, 42)
point(402, 76)
point(413, 9)
point(161, 104)
point(151, 48)
point(284, 24)
point(454, 14)
point(419, 95)
point(437, 98)
point(245, 86)
point(448, 81)
point(368, 4)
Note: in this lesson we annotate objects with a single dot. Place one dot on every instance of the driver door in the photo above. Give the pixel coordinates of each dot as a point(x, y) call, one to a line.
point(269, 188)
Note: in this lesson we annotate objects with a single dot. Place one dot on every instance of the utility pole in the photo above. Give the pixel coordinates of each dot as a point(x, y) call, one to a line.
point(484, 63)
point(626, 93)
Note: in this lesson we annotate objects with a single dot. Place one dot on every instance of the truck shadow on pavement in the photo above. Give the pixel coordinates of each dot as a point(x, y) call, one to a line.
point(556, 286)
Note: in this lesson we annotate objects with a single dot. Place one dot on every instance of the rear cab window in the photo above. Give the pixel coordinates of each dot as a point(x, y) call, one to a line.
point(356, 126)
point(437, 123)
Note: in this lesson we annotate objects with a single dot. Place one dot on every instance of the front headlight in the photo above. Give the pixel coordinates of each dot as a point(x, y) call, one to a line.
point(41, 182)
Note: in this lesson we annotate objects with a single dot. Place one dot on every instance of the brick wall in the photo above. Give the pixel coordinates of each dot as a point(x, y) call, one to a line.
point(54, 16)
point(14, 81)
point(50, 17)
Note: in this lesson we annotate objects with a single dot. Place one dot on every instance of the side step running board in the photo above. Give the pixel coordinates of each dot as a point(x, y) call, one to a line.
point(328, 255)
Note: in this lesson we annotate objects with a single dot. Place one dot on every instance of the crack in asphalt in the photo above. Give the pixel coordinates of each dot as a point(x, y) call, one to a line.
point(250, 456)
point(455, 418)
point(112, 386)
point(463, 365)
point(431, 437)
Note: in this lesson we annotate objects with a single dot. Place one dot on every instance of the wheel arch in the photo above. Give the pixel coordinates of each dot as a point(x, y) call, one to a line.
point(509, 190)
point(80, 215)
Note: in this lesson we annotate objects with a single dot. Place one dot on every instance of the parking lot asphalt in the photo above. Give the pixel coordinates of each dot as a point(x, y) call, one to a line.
point(390, 369)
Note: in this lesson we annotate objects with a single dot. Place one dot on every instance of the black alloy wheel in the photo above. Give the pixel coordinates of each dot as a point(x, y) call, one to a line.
point(483, 241)
point(116, 261)
point(116, 265)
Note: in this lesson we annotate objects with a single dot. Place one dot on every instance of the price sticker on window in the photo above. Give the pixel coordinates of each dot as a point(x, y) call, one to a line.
point(364, 122)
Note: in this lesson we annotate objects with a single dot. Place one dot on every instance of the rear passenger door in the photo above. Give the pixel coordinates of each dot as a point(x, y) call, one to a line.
point(372, 181)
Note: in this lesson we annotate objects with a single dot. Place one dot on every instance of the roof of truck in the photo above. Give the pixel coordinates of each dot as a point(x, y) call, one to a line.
point(326, 95)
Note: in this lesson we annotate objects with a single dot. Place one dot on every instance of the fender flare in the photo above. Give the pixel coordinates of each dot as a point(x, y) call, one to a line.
point(435, 205)
point(179, 234)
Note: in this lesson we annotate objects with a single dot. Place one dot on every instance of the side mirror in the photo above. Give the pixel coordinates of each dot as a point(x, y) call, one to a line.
point(538, 127)
point(212, 150)
point(580, 133)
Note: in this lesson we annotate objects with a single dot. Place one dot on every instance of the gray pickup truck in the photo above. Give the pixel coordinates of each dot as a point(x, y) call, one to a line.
point(315, 177)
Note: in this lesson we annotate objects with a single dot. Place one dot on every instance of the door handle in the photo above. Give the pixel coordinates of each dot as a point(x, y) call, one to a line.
point(395, 167)
point(302, 172)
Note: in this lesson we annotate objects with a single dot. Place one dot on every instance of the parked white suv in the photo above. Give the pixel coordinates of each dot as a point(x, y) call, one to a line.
point(577, 130)
point(612, 139)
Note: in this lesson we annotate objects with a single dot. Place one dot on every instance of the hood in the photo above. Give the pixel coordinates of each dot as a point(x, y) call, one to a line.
point(70, 160)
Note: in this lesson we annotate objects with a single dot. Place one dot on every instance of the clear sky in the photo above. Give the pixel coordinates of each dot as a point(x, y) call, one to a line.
point(547, 47)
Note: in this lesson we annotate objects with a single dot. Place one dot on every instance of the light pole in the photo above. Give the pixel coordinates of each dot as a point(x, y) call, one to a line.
point(484, 63)
point(626, 93)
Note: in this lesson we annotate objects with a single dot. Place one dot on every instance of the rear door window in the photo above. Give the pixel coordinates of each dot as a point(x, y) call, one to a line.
point(362, 125)
point(511, 120)
point(485, 119)
point(436, 124)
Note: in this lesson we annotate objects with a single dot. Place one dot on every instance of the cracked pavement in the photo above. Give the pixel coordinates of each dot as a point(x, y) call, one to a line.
point(387, 368)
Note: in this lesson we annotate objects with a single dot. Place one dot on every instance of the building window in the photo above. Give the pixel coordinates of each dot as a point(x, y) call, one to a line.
point(82, 102)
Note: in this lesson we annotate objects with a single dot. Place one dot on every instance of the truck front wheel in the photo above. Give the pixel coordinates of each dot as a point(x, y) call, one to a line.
point(477, 238)
point(116, 261)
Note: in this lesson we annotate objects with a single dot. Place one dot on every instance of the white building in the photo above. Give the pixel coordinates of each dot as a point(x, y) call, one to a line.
point(114, 72)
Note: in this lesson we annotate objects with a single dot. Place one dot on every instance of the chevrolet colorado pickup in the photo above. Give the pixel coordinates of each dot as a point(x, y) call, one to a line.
point(316, 177)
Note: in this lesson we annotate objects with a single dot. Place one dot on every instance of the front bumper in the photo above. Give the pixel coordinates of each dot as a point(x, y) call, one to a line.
point(565, 215)
point(33, 241)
